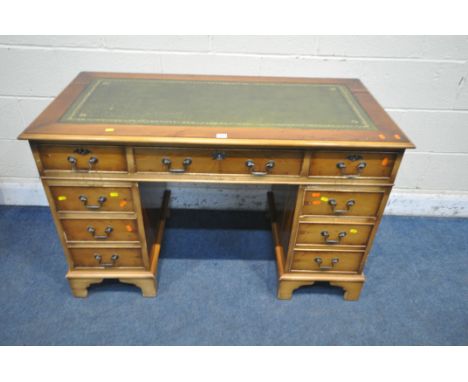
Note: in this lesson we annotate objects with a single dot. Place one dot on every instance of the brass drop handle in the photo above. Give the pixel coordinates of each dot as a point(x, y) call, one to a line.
point(319, 261)
point(168, 163)
point(107, 232)
point(359, 168)
point(101, 200)
point(326, 236)
point(91, 162)
point(349, 204)
point(114, 259)
point(268, 167)
point(73, 161)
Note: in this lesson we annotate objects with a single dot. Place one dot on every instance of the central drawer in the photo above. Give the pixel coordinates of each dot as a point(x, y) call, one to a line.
point(205, 161)
point(92, 198)
point(106, 257)
point(100, 229)
point(333, 234)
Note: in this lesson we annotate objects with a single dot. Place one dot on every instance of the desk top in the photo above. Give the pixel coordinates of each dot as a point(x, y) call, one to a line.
point(220, 110)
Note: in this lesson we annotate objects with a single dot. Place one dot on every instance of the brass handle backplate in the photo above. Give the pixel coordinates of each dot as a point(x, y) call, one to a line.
point(108, 230)
point(268, 167)
point(349, 204)
point(168, 163)
point(319, 262)
point(114, 259)
point(101, 200)
point(326, 235)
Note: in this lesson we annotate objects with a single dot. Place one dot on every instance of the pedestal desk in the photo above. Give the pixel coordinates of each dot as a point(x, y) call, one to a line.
point(326, 147)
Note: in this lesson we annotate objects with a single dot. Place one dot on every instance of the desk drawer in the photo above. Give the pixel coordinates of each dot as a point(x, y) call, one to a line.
point(106, 257)
point(333, 234)
point(83, 158)
point(326, 261)
point(205, 161)
point(349, 164)
point(92, 198)
point(100, 229)
point(341, 203)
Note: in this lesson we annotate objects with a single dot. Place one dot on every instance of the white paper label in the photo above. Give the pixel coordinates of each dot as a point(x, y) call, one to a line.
point(221, 135)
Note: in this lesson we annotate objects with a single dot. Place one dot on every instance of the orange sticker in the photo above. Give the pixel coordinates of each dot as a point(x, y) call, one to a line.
point(397, 136)
point(123, 203)
point(385, 162)
point(129, 228)
point(381, 136)
point(316, 194)
point(316, 202)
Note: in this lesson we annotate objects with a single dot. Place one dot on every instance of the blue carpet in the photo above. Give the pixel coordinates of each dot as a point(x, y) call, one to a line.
point(217, 286)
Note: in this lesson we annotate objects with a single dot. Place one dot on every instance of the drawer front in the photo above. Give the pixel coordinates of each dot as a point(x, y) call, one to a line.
point(352, 164)
point(92, 198)
point(106, 257)
point(100, 229)
point(83, 158)
point(338, 203)
point(333, 234)
point(326, 261)
point(204, 161)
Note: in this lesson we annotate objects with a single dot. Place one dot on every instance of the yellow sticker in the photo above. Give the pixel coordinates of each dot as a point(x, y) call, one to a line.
point(353, 231)
point(114, 194)
point(324, 199)
point(109, 129)
point(61, 198)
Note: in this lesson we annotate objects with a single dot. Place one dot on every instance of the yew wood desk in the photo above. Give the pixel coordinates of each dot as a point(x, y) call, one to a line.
point(326, 147)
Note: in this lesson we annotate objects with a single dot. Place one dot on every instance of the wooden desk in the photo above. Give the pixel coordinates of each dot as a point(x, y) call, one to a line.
point(326, 147)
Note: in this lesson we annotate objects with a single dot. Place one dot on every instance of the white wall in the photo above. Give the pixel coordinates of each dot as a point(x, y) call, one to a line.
point(422, 82)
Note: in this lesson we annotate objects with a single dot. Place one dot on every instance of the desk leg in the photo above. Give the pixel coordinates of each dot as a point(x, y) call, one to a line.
point(80, 286)
point(147, 286)
point(352, 289)
point(287, 287)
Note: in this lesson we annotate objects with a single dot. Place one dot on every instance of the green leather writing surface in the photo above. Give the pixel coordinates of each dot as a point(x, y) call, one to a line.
point(215, 103)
